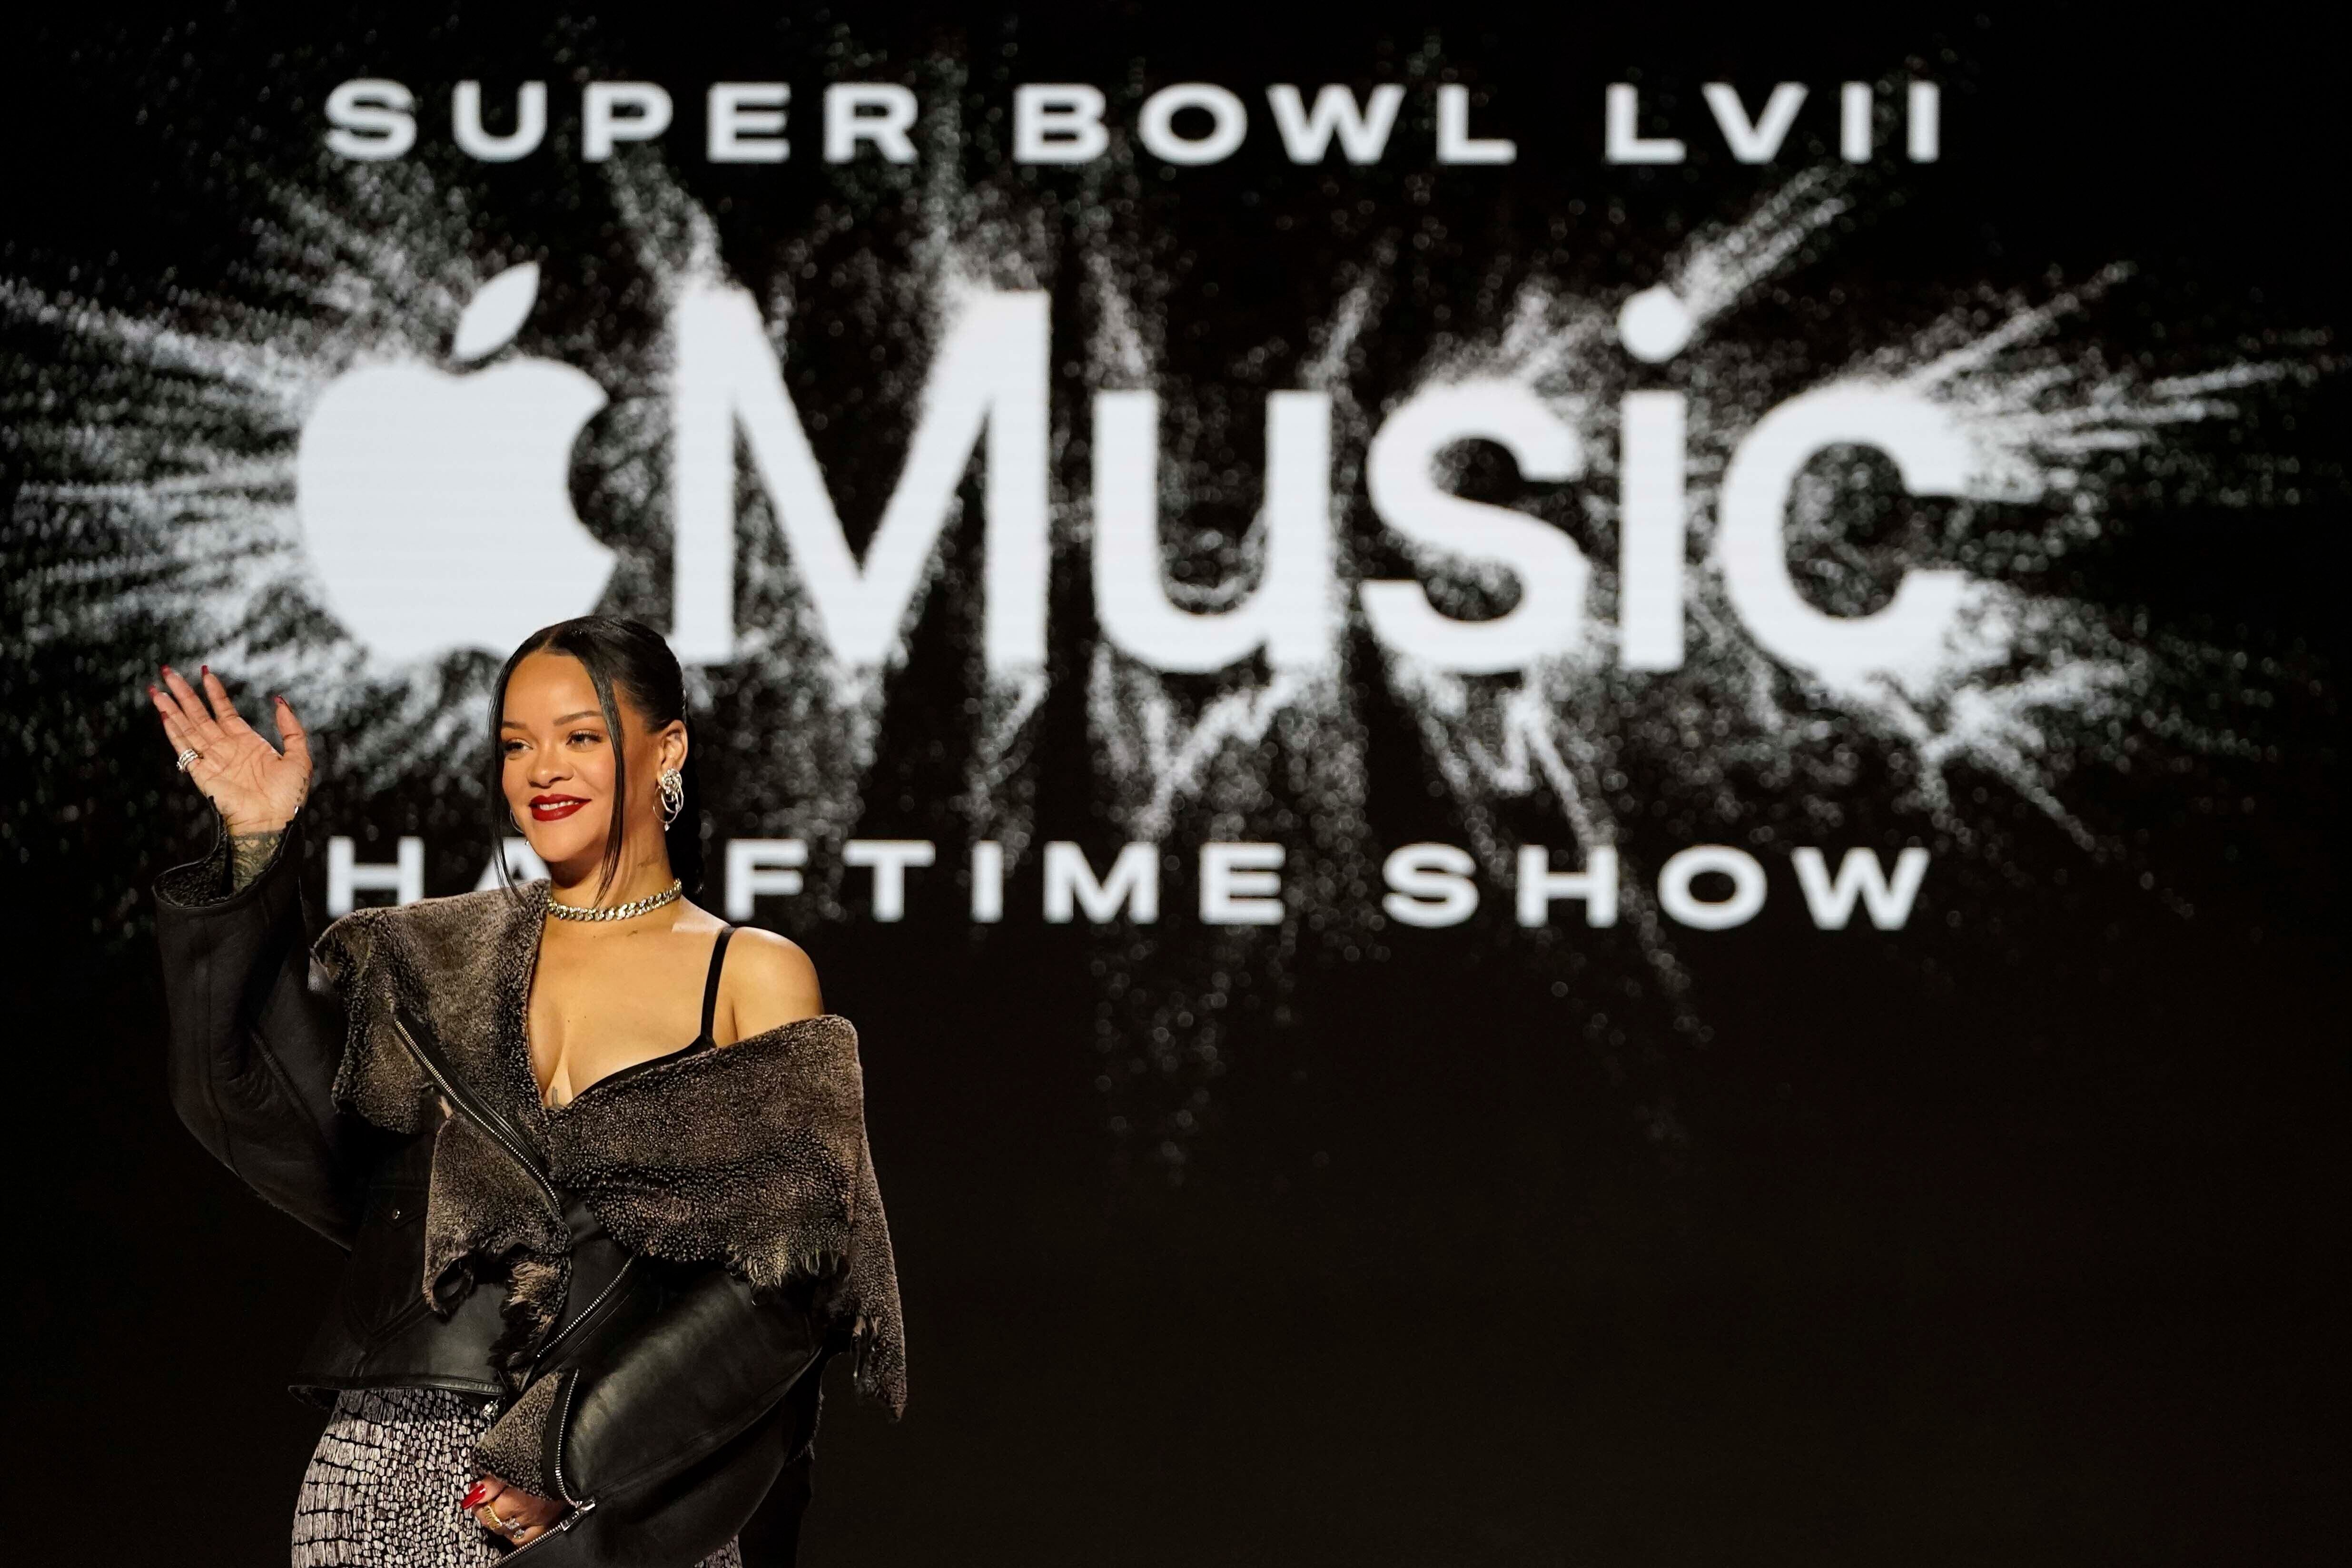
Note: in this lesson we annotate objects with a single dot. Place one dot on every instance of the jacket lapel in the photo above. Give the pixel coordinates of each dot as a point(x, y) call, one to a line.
point(516, 963)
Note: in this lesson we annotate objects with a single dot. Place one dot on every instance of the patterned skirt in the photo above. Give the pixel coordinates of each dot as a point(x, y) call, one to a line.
point(383, 1488)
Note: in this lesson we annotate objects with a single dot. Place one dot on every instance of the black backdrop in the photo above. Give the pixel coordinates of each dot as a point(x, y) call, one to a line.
point(2014, 1236)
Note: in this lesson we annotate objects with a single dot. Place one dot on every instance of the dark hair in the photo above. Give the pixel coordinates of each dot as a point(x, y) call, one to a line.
point(618, 655)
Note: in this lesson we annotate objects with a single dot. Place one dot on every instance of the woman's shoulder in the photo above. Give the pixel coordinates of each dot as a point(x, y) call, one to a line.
point(758, 945)
point(769, 981)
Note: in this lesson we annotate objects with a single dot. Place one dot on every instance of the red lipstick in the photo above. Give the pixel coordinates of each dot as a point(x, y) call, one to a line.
point(554, 808)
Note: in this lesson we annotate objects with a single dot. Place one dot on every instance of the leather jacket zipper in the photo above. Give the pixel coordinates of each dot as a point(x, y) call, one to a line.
point(586, 1318)
point(481, 1115)
point(562, 1426)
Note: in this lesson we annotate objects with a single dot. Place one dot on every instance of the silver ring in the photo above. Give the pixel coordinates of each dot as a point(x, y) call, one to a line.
point(189, 756)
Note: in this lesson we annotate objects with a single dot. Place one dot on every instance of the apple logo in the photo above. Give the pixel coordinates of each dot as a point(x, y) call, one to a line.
point(437, 508)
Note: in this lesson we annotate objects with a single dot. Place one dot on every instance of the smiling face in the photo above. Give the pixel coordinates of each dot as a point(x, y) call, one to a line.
point(557, 769)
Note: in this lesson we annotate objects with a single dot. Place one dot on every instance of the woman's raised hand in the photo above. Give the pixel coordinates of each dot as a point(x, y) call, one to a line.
point(256, 788)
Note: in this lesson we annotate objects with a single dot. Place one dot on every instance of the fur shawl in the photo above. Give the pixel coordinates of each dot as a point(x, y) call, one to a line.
point(754, 1155)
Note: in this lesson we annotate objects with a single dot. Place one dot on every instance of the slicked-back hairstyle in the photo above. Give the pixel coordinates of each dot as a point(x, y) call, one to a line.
point(620, 655)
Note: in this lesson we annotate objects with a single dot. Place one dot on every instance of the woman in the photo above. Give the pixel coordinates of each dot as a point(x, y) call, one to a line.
point(599, 1254)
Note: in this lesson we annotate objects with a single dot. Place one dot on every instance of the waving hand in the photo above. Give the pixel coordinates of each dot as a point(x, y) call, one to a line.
point(256, 788)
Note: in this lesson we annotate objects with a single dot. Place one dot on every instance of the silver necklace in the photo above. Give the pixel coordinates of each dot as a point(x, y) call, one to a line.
point(628, 911)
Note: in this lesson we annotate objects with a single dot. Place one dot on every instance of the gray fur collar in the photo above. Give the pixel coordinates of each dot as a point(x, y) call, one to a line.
point(754, 1155)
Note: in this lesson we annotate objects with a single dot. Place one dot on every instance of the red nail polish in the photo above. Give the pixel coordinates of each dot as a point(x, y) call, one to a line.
point(474, 1498)
point(203, 669)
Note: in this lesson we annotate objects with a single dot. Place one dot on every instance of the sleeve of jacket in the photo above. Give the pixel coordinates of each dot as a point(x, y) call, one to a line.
point(253, 1045)
point(692, 1390)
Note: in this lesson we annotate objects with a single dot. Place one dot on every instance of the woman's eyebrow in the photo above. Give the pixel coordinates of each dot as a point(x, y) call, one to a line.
point(567, 719)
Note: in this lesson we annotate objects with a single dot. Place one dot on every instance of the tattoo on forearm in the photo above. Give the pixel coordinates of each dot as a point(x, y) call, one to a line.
point(247, 853)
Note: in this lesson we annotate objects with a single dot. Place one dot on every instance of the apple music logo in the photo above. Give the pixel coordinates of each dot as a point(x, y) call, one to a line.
point(1597, 542)
point(435, 504)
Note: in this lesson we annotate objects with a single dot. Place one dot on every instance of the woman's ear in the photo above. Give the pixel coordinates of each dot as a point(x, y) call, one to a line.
point(672, 741)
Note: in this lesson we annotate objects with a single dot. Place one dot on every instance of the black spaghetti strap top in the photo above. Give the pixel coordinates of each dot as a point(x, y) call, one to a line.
point(699, 1042)
point(711, 989)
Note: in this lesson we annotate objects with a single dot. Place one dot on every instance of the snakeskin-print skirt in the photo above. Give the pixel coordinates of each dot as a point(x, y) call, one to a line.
point(383, 1488)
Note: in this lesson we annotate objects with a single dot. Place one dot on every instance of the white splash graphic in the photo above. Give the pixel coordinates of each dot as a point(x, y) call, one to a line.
point(166, 443)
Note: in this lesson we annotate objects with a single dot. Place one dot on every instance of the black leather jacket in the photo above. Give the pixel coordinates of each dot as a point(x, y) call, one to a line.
point(688, 1410)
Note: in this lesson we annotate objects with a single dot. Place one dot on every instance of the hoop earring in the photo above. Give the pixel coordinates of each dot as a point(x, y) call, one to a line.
point(672, 785)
